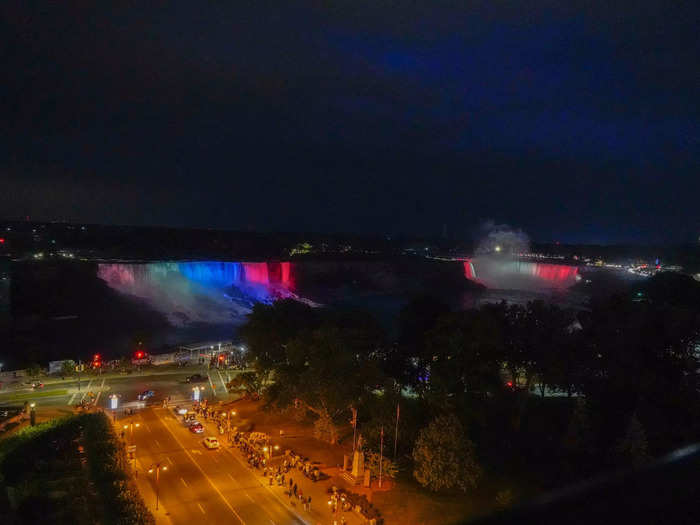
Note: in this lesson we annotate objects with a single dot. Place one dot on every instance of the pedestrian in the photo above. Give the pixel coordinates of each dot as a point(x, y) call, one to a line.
point(291, 482)
point(308, 504)
point(295, 490)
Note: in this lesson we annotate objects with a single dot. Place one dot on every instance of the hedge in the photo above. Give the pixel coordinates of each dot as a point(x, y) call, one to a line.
point(107, 462)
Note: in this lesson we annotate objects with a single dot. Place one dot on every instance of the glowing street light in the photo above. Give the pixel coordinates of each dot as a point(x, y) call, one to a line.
point(157, 468)
point(131, 432)
point(197, 390)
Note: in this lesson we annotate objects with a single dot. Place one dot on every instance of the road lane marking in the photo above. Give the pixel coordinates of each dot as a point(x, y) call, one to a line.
point(249, 496)
point(100, 392)
point(170, 461)
point(157, 443)
point(201, 508)
point(87, 389)
point(213, 388)
point(202, 471)
point(70, 401)
point(183, 482)
point(222, 380)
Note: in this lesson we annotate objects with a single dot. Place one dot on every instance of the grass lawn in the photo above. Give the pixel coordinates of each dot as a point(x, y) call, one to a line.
point(27, 396)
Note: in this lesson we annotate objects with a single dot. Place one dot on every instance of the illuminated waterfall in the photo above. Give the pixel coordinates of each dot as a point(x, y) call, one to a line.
point(208, 292)
point(507, 273)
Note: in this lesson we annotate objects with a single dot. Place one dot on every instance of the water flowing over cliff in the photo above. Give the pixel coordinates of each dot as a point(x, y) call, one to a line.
point(206, 291)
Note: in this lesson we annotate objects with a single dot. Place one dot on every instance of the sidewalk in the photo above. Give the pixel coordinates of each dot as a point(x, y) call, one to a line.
point(149, 495)
point(320, 512)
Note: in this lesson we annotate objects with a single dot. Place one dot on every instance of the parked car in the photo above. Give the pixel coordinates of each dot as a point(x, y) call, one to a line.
point(196, 378)
point(211, 443)
point(146, 394)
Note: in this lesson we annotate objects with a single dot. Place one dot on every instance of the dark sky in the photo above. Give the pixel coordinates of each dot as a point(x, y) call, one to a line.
point(570, 121)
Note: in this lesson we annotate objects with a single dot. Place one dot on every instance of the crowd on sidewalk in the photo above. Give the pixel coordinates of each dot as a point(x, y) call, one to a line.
point(281, 471)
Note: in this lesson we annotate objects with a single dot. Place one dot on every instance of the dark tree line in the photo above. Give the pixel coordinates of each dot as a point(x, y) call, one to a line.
point(554, 393)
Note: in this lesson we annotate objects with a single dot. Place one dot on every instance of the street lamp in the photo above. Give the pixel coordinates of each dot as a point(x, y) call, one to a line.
point(197, 390)
point(157, 468)
point(131, 427)
point(32, 414)
point(114, 404)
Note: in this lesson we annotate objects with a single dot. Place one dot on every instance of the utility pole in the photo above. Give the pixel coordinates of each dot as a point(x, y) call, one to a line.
point(79, 366)
point(381, 453)
point(354, 426)
point(396, 431)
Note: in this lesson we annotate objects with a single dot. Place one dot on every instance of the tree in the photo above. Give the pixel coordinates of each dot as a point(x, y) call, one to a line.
point(270, 328)
point(389, 468)
point(579, 436)
point(632, 448)
point(640, 357)
point(68, 367)
point(328, 369)
point(416, 319)
point(248, 382)
point(462, 357)
point(444, 457)
point(33, 370)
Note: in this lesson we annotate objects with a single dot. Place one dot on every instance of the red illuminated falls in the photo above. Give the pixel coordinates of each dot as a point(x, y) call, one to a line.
point(497, 272)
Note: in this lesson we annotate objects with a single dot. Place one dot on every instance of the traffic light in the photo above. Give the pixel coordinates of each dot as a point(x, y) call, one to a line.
point(139, 354)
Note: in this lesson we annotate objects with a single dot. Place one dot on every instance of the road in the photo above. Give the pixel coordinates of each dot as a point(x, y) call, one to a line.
point(67, 393)
point(201, 485)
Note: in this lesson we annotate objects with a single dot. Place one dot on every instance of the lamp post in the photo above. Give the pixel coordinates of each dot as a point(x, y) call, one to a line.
point(114, 404)
point(131, 431)
point(32, 414)
point(157, 468)
point(197, 390)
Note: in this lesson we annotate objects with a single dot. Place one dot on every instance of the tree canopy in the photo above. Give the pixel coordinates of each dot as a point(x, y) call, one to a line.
point(444, 457)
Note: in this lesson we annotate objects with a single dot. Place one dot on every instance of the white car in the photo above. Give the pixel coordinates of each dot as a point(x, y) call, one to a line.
point(211, 442)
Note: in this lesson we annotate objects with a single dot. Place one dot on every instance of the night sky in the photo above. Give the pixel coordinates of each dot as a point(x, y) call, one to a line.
point(575, 123)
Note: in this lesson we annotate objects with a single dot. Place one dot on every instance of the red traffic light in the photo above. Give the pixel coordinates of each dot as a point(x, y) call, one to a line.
point(139, 355)
point(221, 357)
point(96, 358)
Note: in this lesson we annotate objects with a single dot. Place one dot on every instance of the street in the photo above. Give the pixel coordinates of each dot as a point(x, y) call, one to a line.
point(201, 485)
point(195, 484)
